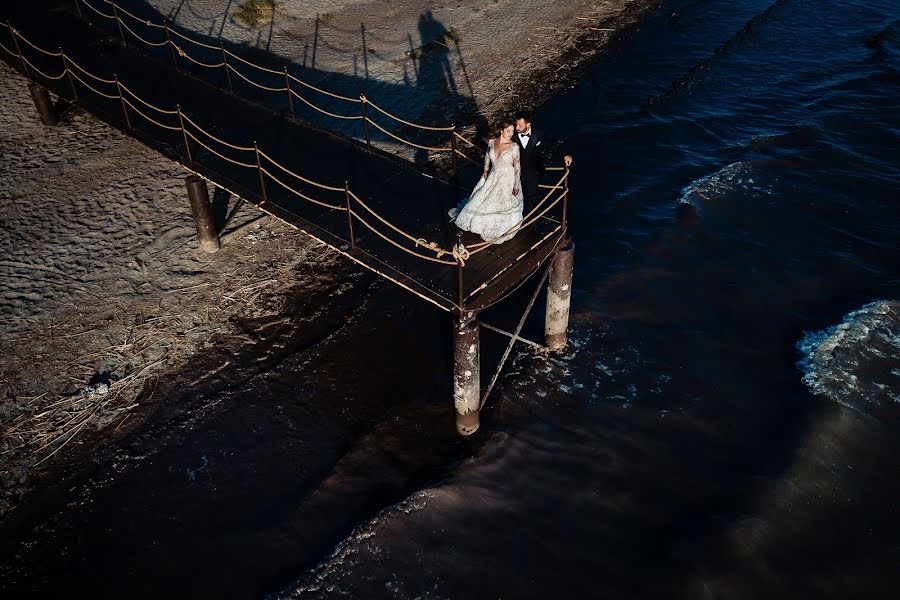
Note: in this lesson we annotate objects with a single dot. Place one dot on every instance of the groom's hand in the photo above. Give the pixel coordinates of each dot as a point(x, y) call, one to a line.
point(515, 191)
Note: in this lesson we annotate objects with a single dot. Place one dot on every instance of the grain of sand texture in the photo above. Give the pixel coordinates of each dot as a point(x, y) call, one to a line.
point(103, 288)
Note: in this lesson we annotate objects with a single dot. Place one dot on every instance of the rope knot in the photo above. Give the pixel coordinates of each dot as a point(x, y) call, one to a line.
point(460, 254)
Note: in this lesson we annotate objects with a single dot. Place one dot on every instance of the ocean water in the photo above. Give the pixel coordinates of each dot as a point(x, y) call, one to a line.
point(725, 422)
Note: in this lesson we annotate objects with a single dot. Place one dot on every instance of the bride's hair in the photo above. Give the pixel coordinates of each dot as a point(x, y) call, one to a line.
point(501, 125)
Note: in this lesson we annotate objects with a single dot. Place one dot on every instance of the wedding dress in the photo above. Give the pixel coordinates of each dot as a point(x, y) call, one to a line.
point(492, 210)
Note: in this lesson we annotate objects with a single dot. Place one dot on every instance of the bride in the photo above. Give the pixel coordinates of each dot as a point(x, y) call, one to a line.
point(495, 206)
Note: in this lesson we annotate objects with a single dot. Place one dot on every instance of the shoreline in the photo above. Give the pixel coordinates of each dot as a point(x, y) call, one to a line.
point(105, 372)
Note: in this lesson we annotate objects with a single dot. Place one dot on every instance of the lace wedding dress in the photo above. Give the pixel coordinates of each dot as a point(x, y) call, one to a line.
point(492, 210)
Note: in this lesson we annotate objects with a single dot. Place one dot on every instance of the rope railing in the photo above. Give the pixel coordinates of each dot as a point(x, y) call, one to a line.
point(356, 209)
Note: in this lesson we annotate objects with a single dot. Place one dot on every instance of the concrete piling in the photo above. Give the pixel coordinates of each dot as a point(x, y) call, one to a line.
point(43, 104)
point(198, 194)
point(559, 296)
point(466, 376)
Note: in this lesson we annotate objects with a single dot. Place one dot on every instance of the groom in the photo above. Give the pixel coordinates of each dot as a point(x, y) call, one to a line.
point(530, 140)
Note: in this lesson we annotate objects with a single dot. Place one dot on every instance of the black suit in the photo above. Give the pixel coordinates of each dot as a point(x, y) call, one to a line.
point(531, 158)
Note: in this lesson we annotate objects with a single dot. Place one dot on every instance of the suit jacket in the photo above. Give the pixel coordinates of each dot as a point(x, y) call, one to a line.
point(531, 157)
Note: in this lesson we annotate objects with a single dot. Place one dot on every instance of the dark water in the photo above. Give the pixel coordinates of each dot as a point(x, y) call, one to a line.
point(723, 425)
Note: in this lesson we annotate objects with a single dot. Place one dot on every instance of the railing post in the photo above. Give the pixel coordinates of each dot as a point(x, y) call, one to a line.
point(119, 23)
point(122, 102)
point(184, 133)
point(198, 194)
point(349, 215)
point(171, 46)
point(559, 297)
point(362, 105)
point(78, 9)
point(15, 36)
point(43, 104)
point(453, 152)
point(69, 75)
point(459, 276)
point(262, 181)
point(565, 202)
point(227, 72)
point(287, 84)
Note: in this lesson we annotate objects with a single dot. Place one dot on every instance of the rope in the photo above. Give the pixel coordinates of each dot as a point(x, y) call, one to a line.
point(247, 62)
point(322, 110)
point(417, 241)
point(146, 22)
point(251, 82)
point(86, 72)
point(471, 160)
point(181, 52)
point(289, 172)
point(193, 41)
point(30, 43)
point(52, 78)
point(222, 156)
point(135, 34)
point(466, 141)
point(101, 13)
point(396, 118)
point(154, 121)
point(513, 263)
point(408, 251)
point(400, 139)
point(301, 194)
point(321, 91)
point(223, 142)
point(92, 88)
point(147, 104)
point(10, 52)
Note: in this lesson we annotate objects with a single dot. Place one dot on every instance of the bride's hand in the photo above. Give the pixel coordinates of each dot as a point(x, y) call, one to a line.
point(484, 176)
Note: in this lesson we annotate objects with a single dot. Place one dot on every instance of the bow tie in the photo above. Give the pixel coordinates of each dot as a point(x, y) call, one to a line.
point(524, 135)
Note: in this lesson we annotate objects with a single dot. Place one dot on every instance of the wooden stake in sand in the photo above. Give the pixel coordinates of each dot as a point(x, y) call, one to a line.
point(200, 208)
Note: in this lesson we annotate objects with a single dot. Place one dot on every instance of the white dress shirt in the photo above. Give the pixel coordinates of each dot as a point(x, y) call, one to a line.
point(525, 137)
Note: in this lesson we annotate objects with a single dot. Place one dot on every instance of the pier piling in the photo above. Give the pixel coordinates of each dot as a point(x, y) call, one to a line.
point(43, 104)
point(198, 194)
point(466, 376)
point(559, 296)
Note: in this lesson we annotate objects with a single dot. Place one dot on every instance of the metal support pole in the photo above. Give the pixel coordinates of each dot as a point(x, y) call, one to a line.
point(122, 102)
point(262, 181)
point(198, 194)
point(227, 71)
point(565, 200)
point(287, 83)
point(171, 46)
point(187, 145)
point(453, 152)
point(459, 278)
point(43, 104)
point(349, 216)
point(69, 75)
point(559, 296)
point(466, 376)
point(15, 37)
point(78, 9)
point(119, 23)
point(362, 105)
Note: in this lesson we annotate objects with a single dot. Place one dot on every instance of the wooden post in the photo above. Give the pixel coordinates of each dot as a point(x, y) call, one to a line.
point(187, 145)
point(362, 105)
point(227, 72)
point(78, 9)
point(69, 75)
point(455, 155)
point(15, 37)
point(122, 102)
point(287, 83)
point(459, 277)
point(43, 104)
point(349, 215)
point(466, 375)
point(262, 181)
point(198, 194)
point(119, 23)
point(171, 46)
point(559, 296)
point(565, 202)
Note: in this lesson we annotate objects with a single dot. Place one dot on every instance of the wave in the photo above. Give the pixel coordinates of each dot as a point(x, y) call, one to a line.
point(857, 363)
point(736, 176)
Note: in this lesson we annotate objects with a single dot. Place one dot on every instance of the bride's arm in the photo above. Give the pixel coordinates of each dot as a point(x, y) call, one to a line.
point(517, 169)
point(487, 159)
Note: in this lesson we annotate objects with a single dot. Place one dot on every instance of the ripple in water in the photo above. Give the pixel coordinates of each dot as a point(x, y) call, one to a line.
point(857, 363)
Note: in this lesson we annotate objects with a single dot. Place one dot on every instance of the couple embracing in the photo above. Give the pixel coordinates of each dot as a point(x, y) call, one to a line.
point(513, 165)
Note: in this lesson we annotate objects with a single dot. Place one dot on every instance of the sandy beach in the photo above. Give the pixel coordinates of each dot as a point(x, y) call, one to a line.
point(103, 288)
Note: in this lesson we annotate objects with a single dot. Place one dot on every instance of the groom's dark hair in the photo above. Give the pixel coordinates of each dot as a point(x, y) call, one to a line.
point(525, 115)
